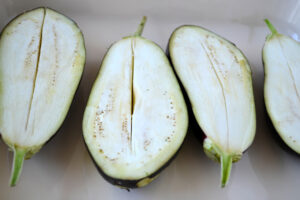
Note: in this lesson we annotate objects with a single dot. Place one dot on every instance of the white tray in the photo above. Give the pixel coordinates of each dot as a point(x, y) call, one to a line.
point(63, 169)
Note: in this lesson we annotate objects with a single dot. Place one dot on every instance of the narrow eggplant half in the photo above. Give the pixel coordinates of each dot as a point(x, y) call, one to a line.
point(42, 57)
point(217, 79)
point(136, 118)
point(282, 85)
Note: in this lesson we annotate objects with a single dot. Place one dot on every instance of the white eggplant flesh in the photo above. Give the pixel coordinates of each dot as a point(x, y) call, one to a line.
point(217, 79)
point(282, 86)
point(42, 57)
point(136, 118)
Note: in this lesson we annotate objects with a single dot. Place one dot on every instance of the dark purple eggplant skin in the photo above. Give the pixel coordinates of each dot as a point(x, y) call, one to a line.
point(133, 184)
point(76, 92)
point(130, 184)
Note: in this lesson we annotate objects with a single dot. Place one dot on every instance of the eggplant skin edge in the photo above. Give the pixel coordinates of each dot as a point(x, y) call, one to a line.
point(138, 183)
point(213, 154)
point(135, 183)
point(275, 133)
point(34, 149)
point(195, 125)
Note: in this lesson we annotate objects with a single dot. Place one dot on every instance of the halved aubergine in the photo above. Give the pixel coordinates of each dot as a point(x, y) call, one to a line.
point(42, 57)
point(282, 86)
point(217, 79)
point(136, 118)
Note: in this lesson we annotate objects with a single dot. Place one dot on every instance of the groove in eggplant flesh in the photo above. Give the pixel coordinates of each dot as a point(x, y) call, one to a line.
point(136, 118)
point(217, 79)
point(42, 56)
point(282, 85)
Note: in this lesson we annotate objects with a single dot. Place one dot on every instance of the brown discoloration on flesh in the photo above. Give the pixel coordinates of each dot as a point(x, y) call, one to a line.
point(28, 64)
point(126, 184)
point(56, 58)
point(223, 90)
point(146, 144)
point(36, 72)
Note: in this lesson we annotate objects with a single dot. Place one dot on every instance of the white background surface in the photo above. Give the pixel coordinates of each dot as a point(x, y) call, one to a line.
point(63, 168)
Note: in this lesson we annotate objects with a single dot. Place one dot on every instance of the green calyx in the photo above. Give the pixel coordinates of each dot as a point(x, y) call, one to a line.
point(19, 155)
point(226, 160)
point(139, 30)
point(141, 26)
point(272, 28)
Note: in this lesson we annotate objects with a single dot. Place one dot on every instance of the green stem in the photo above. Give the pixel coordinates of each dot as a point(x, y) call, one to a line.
point(271, 27)
point(226, 163)
point(19, 155)
point(140, 29)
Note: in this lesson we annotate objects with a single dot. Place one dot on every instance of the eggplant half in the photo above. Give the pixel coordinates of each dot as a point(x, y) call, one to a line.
point(217, 78)
point(282, 85)
point(136, 118)
point(42, 57)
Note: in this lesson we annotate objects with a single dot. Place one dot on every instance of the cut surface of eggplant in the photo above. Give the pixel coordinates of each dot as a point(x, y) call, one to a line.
point(217, 79)
point(42, 57)
point(282, 85)
point(136, 118)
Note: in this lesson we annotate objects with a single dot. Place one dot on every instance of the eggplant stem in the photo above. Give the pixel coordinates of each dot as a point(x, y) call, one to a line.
point(226, 163)
point(19, 155)
point(141, 26)
point(271, 27)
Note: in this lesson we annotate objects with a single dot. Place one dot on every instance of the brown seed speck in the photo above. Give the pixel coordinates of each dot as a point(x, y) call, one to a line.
point(168, 139)
point(146, 144)
point(100, 150)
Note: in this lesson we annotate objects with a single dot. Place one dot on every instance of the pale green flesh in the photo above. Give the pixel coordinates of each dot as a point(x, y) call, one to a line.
point(282, 87)
point(136, 118)
point(218, 81)
point(42, 57)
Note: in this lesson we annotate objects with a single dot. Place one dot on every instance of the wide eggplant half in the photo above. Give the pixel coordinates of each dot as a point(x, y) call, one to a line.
point(42, 57)
point(136, 118)
point(282, 85)
point(217, 79)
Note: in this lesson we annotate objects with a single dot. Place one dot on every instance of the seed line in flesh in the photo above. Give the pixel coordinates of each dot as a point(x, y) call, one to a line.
point(223, 93)
point(132, 93)
point(290, 70)
point(36, 70)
